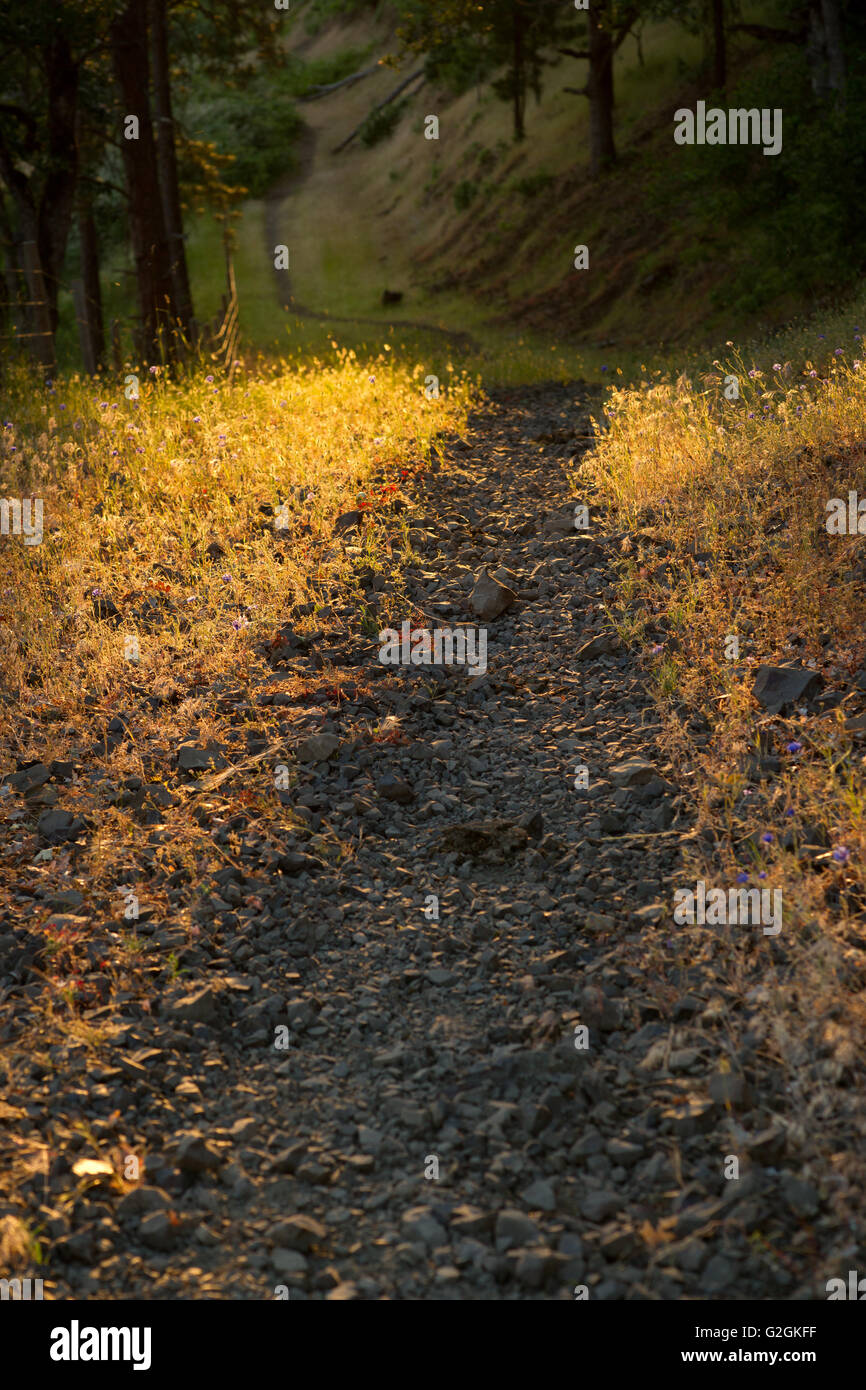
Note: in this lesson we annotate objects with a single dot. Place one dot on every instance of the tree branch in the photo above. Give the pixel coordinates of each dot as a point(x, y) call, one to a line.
point(765, 31)
point(419, 72)
point(626, 27)
point(332, 86)
point(103, 183)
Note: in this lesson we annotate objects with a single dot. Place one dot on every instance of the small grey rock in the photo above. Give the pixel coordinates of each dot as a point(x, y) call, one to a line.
point(422, 1227)
point(801, 1197)
point(776, 687)
point(598, 1206)
point(392, 788)
point(726, 1088)
point(513, 1228)
point(347, 521)
point(598, 1011)
point(318, 748)
point(298, 1233)
point(198, 1007)
point(195, 1155)
point(540, 1196)
point(490, 599)
point(632, 773)
point(27, 779)
point(604, 644)
point(719, 1273)
point(140, 1201)
point(59, 826)
point(158, 1232)
point(193, 759)
point(288, 1261)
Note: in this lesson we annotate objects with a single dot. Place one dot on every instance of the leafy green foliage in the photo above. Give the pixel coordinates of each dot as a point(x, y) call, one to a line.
point(532, 184)
point(468, 41)
point(380, 124)
point(465, 194)
point(793, 219)
point(255, 123)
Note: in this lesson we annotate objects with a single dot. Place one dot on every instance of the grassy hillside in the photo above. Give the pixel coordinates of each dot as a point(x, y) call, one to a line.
point(479, 233)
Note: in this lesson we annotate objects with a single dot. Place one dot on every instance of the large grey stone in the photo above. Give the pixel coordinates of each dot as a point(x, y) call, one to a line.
point(776, 687)
point(490, 599)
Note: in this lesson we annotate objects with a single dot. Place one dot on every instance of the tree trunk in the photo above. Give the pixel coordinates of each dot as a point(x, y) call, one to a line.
point(825, 51)
point(720, 56)
point(166, 155)
point(57, 204)
point(129, 51)
point(43, 226)
point(602, 150)
point(518, 70)
point(834, 46)
point(11, 291)
point(92, 297)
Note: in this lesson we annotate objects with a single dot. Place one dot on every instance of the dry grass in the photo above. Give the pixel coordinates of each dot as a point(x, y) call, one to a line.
point(136, 491)
point(163, 539)
point(725, 504)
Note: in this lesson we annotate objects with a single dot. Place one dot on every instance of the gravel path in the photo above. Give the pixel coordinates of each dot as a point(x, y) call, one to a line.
point(343, 1097)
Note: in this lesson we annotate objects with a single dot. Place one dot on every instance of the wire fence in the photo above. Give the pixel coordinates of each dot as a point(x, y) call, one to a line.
point(218, 339)
point(225, 329)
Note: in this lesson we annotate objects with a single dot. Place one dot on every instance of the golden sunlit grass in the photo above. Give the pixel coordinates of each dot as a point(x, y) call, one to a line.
point(726, 501)
point(167, 508)
point(183, 529)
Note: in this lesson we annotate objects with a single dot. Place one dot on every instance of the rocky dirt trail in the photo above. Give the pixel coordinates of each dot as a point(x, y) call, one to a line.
point(469, 1059)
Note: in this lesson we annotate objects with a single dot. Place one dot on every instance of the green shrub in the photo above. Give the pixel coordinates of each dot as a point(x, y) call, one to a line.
point(256, 124)
point(380, 124)
point(789, 220)
point(321, 72)
point(465, 194)
point(532, 184)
